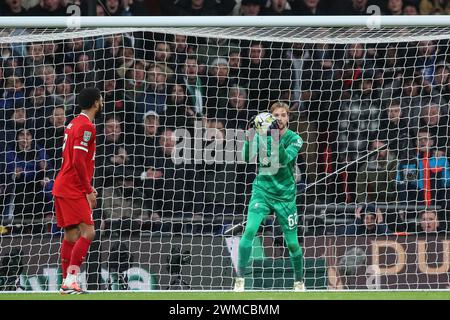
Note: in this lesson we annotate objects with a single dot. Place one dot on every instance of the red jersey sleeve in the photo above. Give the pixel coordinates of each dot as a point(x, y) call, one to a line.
point(84, 138)
point(84, 143)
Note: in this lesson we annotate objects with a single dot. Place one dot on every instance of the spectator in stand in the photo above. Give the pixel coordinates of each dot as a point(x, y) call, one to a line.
point(13, 95)
point(394, 128)
point(48, 78)
point(412, 99)
point(180, 51)
point(107, 51)
point(389, 71)
point(120, 8)
point(251, 7)
point(210, 175)
point(355, 7)
point(28, 184)
point(438, 125)
point(355, 64)
point(429, 223)
point(425, 177)
point(178, 113)
point(39, 106)
point(426, 58)
point(15, 120)
point(156, 93)
point(113, 8)
point(358, 117)
point(237, 72)
point(197, 7)
point(134, 8)
point(113, 159)
point(196, 91)
point(64, 94)
point(126, 59)
point(114, 97)
point(146, 139)
point(53, 55)
point(176, 178)
point(323, 84)
point(376, 176)
point(7, 50)
point(12, 65)
point(441, 80)
point(278, 8)
point(434, 7)
point(308, 7)
point(164, 54)
point(299, 55)
point(145, 142)
point(51, 137)
point(395, 7)
point(84, 72)
point(49, 8)
point(410, 8)
point(217, 87)
point(135, 81)
point(34, 60)
point(72, 49)
point(122, 208)
point(14, 8)
point(213, 49)
point(446, 90)
point(368, 221)
point(166, 185)
point(258, 65)
point(100, 10)
point(237, 114)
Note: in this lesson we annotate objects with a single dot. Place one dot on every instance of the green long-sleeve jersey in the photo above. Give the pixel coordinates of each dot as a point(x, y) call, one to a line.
point(276, 171)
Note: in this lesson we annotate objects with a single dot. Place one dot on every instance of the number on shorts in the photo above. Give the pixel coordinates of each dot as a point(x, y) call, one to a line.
point(292, 220)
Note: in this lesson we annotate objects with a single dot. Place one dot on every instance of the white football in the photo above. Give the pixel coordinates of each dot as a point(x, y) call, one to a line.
point(263, 121)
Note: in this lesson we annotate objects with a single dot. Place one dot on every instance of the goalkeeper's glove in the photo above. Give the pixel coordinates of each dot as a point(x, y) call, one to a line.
point(251, 122)
point(250, 133)
point(273, 126)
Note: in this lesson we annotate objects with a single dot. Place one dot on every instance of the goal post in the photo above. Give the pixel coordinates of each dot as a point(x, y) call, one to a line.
point(178, 93)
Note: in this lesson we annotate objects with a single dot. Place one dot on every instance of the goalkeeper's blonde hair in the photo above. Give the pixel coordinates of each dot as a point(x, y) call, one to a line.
point(278, 105)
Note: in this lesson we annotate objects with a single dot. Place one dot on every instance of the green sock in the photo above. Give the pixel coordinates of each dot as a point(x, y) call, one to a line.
point(245, 249)
point(297, 264)
point(295, 253)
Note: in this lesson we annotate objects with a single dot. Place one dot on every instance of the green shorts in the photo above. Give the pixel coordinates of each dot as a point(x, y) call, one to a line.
point(285, 211)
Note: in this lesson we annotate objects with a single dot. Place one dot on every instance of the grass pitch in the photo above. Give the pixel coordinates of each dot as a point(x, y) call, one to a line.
point(255, 295)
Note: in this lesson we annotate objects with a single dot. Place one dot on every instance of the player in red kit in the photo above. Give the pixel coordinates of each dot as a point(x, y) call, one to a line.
point(73, 193)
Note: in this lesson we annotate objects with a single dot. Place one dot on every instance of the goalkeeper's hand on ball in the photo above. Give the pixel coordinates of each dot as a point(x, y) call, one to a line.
point(251, 122)
point(273, 126)
point(250, 133)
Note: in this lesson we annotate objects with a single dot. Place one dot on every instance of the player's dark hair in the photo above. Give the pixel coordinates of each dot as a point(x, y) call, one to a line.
point(87, 97)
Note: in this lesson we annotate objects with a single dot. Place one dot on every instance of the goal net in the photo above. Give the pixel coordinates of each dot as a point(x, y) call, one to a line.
point(372, 176)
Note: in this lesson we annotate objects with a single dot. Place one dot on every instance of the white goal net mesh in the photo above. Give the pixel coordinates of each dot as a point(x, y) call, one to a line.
point(169, 173)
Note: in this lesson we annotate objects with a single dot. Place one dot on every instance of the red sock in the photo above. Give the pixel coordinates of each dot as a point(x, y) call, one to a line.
point(79, 253)
point(66, 254)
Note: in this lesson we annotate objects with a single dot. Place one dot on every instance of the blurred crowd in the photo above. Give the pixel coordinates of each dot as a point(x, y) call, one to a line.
point(388, 101)
point(222, 7)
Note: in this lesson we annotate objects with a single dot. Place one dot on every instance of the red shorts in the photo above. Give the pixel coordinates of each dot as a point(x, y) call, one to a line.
point(72, 212)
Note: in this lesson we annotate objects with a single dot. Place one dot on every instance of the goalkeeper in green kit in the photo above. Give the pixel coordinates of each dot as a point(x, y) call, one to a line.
point(274, 189)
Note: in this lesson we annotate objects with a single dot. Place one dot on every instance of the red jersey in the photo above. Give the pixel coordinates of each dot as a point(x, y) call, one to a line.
point(74, 178)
